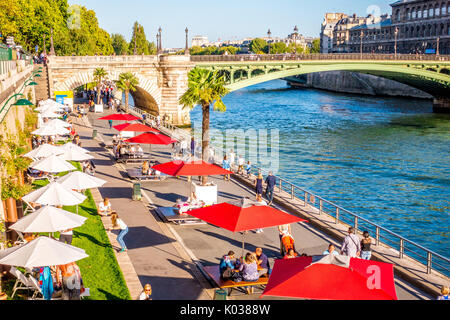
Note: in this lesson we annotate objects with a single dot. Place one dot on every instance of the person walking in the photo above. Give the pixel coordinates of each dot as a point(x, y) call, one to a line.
point(118, 223)
point(366, 253)
point(271, 181)
point(351, 246)
point(192, 146)
point(110, 124)
point(232, 158)
point(260, 200)
point(183, 147)
point(226, 166)
point(259, 185)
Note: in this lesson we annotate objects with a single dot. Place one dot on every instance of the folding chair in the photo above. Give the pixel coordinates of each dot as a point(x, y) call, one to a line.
point(22, 282)
point(36, 288)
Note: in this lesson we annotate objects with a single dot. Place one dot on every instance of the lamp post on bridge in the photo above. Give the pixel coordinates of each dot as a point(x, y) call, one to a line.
point(361, 44)
point(268, 42)
point(395, 45)
point(186, 49)
point(160, 42)
point(437, 46)
point(157, 43)
point(295, 39)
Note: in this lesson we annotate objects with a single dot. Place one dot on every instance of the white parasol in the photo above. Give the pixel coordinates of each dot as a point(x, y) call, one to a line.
point(55, 194)
point(79, 181)
point(52, 164)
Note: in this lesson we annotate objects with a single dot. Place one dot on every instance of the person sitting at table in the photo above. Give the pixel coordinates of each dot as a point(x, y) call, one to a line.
point(145, 167)
point(262, 261)
point(139, 151)
point(104, 207)
point(227, 265)
point(290, 254)
point(123, 150)
point(132, 151)
point(249, 270)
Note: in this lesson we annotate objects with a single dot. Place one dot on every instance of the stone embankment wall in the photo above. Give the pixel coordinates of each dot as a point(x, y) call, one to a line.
point(353, 82)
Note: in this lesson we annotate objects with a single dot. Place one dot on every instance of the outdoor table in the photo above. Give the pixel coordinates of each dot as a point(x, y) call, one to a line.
point(207, 194)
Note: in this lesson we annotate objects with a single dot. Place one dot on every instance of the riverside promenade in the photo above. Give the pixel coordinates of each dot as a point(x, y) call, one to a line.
point(170, 257)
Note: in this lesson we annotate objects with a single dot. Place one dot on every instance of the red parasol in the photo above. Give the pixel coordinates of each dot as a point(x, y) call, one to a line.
point(135, 127)
point(120, 117)
point(190, 168)
point(244, 215)
point(151, 138)
point(324, 279)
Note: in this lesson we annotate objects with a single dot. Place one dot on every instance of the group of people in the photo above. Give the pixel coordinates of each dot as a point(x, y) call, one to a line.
point(122, 149)
point(249, 268)
point(104, 209)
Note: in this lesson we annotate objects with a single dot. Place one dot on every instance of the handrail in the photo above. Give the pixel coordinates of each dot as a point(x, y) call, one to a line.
point(177, 133)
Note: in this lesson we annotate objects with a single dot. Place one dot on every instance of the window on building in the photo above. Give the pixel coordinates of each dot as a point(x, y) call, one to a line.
point(425, 13)
point(444, 10)
point(419, 13)
point(408, 14)
point(430, 12)
point(397, 15)
point(437, 11)
point(413, 13)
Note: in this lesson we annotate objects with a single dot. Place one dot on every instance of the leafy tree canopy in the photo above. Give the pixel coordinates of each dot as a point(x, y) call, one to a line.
point(258, 46)
point(120, 45)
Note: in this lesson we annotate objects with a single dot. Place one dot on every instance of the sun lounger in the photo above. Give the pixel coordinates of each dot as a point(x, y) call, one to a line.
point(22, 282)
point(170, 214)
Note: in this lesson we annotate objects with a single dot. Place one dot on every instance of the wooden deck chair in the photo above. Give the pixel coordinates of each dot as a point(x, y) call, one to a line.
point(36, 288)
point(22, 282)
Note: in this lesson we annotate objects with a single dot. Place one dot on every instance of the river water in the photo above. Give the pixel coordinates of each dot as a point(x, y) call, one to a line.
point(386, 159)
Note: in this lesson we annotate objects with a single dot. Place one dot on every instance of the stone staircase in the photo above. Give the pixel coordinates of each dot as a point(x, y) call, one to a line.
point(42, 89)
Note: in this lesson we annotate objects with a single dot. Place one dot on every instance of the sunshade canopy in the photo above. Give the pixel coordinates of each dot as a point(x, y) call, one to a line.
point(134, 127)
point(78, 180)
point(49, 114)
point(44, 150)
point(70, 145)
point(151, 138)
point(43, 251)
point(52, 164)
point(48, 219)
point(50, 130)
point(361, 280)
point(59, 123)
point(74, 155)
point(243, 215)
point(120, 117)
point(190, 168)
point(54, 194)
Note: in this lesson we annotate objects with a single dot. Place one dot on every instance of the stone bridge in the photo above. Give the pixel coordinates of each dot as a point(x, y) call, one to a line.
point(163, 78)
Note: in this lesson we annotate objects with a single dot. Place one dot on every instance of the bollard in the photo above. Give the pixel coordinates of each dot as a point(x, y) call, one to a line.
point(94, 133)
point(220, 294)
point(136, 191)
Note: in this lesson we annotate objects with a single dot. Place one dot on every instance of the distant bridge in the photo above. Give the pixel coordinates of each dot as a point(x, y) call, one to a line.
point(163, 78)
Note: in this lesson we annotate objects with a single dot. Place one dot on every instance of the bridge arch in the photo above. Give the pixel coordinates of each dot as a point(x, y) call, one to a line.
point(435, 83)
point(147, 93)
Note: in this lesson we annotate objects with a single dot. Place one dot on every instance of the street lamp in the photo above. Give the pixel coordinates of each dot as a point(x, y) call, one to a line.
point(160, 42)
point(395, 46)
point(295, 39)
point(361, 45)
point(186, 49)
point(268, 42)
point(437, 46)
point(20, 102)
point(157, 43)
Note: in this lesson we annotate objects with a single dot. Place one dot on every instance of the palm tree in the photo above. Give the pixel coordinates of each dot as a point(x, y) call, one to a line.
point(99, 75)
point(205, 88)
point(127, 82)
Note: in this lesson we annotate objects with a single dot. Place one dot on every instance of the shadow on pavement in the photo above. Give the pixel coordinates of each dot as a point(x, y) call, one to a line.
point(141, 237)
point(170, 288)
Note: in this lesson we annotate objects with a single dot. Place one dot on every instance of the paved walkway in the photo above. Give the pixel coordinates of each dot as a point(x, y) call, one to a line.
point(166, 255)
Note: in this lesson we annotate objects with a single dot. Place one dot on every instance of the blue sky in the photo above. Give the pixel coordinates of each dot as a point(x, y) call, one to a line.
point(226, 20)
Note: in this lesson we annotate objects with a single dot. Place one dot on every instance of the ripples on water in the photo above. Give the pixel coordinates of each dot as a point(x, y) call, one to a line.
point(386, 159)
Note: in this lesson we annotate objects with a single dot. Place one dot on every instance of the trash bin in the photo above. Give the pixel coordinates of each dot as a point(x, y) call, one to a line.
point(136, 191)
point(220, 294)
point(94, 133)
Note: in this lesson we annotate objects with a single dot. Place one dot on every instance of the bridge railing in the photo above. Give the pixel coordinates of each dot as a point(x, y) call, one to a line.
point(318, 56)
point(400, 246)
point(102, 59)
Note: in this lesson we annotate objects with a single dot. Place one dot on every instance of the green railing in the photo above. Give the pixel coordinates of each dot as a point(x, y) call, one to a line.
point(5, 53)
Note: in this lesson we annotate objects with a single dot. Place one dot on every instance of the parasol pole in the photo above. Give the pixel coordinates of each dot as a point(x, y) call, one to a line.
point(243, 240)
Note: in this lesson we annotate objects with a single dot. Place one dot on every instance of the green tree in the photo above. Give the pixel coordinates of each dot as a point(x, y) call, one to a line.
point(278, 47)
point(258, 46)
point(315, 48)
point(138, 38)
point(151, 48)
point(120, 45)
point(127, 83)
point(205, 88)
point(99, 75)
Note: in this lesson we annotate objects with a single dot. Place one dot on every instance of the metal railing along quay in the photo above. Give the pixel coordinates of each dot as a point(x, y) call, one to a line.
point(318, 56)
point(400, 245)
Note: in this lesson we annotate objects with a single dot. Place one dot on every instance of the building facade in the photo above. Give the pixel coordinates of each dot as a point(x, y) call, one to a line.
point(326, 33)
point(199, 41)
point(414, 27)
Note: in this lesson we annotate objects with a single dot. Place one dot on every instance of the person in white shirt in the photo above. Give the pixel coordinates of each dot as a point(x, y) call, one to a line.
point(140, 150)
point(331, 250)
point(147, 293)
point(104, 207)
point(240, 164)
point(66, 236)
point(232, 157)
point(118, 223)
